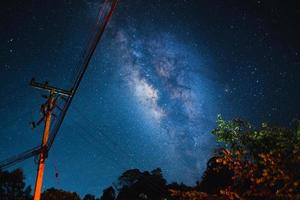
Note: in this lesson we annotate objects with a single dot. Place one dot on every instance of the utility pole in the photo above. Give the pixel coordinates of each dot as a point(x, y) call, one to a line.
point(44, 150)
point(103, 18)
point(46, 109)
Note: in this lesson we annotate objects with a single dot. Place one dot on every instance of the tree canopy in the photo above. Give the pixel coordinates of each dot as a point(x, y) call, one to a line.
point(259, 163)
point(54, 194)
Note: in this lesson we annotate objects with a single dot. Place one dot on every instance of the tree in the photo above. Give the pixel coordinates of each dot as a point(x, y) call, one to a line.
point(12, 186)
point(253, 163)
point(265, 161)
point(108, 194)
point(136, 185)
point(215, 177)
point(89, 197)
point(54, 194)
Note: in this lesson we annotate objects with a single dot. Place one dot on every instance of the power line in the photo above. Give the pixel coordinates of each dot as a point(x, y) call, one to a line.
point(100, 27)
point(20, 157)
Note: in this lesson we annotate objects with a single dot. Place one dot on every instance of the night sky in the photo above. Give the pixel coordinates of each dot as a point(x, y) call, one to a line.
point(160, 75)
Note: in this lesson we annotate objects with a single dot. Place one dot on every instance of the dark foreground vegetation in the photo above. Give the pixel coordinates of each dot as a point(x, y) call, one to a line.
point(252, 163)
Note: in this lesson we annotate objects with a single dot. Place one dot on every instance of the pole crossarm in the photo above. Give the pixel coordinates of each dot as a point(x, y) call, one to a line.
point(45, 86)
point(20, 157)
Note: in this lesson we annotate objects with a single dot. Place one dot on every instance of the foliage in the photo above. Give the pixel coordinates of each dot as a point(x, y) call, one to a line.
point(215, 178)
point(261, 163)
point(193, 195)
point(54, 194)
point(240, 135)
point(89, 197)
point(134, 185)
point(108, 194)
point(265, 161)
point(12, 186)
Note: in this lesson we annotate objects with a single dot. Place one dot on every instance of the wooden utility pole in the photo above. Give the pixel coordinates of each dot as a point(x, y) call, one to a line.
point(44, 151)
point(46, 109)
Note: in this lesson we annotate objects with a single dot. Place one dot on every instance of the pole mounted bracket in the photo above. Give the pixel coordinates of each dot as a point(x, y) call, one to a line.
point(45, 150)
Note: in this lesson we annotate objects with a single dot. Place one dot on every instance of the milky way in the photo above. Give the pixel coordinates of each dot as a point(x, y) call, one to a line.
point(163, 75)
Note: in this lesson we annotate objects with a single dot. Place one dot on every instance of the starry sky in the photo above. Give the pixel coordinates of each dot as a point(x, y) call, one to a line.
point(158, 78)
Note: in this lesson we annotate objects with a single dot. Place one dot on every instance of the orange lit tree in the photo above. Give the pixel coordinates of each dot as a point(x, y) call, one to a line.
point(264, 162)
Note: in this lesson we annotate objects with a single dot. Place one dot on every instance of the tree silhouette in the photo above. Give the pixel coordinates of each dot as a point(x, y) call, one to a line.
point(108, 194)
point(12, 186)
point(215, 177)
point(136, 185)
point(89, 197)
point(55, 194)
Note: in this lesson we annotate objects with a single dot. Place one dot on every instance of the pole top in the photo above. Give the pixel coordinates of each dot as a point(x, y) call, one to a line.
point(51, 89)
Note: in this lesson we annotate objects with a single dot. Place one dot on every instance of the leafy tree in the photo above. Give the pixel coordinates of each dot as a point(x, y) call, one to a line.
point(136, 185)
point(215, 178)
point(265, 161)
point(256, 163)
point(108, 194)
point(128, 178)
point(194, 195)
point(181, 187)
point(12, 186)
point(89, 197)
point(54, 194)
